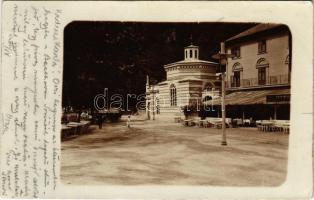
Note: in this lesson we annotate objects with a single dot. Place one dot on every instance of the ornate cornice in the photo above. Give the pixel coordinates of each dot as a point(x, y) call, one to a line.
point(190, 66)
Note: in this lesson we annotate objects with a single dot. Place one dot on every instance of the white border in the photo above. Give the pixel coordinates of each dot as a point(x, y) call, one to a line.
point(297, 15)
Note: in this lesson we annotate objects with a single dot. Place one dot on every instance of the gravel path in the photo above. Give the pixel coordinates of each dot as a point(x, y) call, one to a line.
point(163, 152)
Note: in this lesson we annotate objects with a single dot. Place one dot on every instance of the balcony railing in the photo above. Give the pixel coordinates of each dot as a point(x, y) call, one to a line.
point(254, 82)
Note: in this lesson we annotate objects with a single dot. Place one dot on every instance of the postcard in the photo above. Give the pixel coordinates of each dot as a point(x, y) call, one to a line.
point(156, 100)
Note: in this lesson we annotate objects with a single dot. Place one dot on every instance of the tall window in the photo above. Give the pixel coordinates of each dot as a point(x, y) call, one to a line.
point(191, 52)
point(173, 95)
point(235, 51)
point(262, 75)
point(262, 65)
point(236, 78)
point(262, 46)
point(208, 87)
point(195, 52)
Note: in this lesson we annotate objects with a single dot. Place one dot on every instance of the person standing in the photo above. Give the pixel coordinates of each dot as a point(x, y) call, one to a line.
point(128, 122)
point(100, 121)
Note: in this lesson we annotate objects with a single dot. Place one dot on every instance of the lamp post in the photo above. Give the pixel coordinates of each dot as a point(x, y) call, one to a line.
point(147, 98)
point(222, 56)
point(153, 102)
point(153, 91)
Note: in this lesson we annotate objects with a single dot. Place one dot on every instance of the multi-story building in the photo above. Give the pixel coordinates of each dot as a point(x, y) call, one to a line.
point(258, 74)
point(188, 82)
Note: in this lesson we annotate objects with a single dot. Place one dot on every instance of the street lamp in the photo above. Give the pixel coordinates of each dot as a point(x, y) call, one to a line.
point(153, 91)
point(147, 98)
point(222, 56)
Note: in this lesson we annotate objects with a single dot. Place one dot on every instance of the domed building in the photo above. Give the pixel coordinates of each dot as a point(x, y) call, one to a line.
point(189, 82)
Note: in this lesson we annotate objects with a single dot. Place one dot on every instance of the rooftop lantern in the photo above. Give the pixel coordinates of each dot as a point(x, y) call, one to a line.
point(191, 52)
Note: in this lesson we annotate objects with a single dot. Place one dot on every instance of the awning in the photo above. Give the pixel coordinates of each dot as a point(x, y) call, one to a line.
point(278, 96)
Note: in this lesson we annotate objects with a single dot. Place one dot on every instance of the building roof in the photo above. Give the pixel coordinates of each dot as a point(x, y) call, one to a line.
point(194, 61)
point(256, 29)
point(191, 46)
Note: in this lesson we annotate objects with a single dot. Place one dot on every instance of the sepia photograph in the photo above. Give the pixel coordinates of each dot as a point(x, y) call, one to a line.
point(156, 100)
point(175, 103)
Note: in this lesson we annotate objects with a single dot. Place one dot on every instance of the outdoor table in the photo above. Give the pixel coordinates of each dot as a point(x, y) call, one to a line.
point(73, 123)
point(239, 121)
point(246, 122)
point(259, 124)
point(65, 131)
point(266, 126)
point(202, 122)
point(85, 125)
point(217, 124)
point(186, 122)
point(177, 119)
point(76, 127)
point(286, 127)
point(234, 123)
point(191, 123)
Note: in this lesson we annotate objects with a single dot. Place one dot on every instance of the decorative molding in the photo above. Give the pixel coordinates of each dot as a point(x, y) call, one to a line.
point(237, 67)
point(262, 62)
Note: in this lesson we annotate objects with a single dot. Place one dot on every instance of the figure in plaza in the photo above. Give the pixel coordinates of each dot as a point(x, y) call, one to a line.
point(100, 121)
point(128, 122)
point(84, 115)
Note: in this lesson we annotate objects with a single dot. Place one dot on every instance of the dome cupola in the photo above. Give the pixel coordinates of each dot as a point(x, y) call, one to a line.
point(191, 52)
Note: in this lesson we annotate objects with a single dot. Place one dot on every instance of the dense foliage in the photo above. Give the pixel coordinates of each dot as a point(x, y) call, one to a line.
point(119, 55)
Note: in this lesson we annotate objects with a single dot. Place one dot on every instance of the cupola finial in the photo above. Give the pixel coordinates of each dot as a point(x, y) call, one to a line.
point(191, 39)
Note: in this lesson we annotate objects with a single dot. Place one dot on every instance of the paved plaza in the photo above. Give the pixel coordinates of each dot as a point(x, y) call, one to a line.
point(164, 152)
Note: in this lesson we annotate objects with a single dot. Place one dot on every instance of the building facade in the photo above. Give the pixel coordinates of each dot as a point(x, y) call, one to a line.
point(258, 74)
point(189, 82)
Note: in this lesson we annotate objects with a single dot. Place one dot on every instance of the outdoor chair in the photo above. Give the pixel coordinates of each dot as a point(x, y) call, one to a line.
point(259, 124)
point(239, 122)
point(246, 122)
point(191, 123)
point(267, 125)
point(185, 122)
point(206, 124)
point(200, 123)
point(218, 125)
point(234, 123)
point(277, 126)
point(177, 119)
point(286, 128)
point(228, 122)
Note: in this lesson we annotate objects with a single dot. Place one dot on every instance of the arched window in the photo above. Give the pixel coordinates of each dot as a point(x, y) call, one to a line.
point(261, 65)
point(207, 98)
point(173, 95)
point(262, 62)
point(236, 77)
point(237, 67)
point(208, 87)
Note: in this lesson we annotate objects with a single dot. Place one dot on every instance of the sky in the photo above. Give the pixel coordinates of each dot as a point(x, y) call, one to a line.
point(119, 55)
